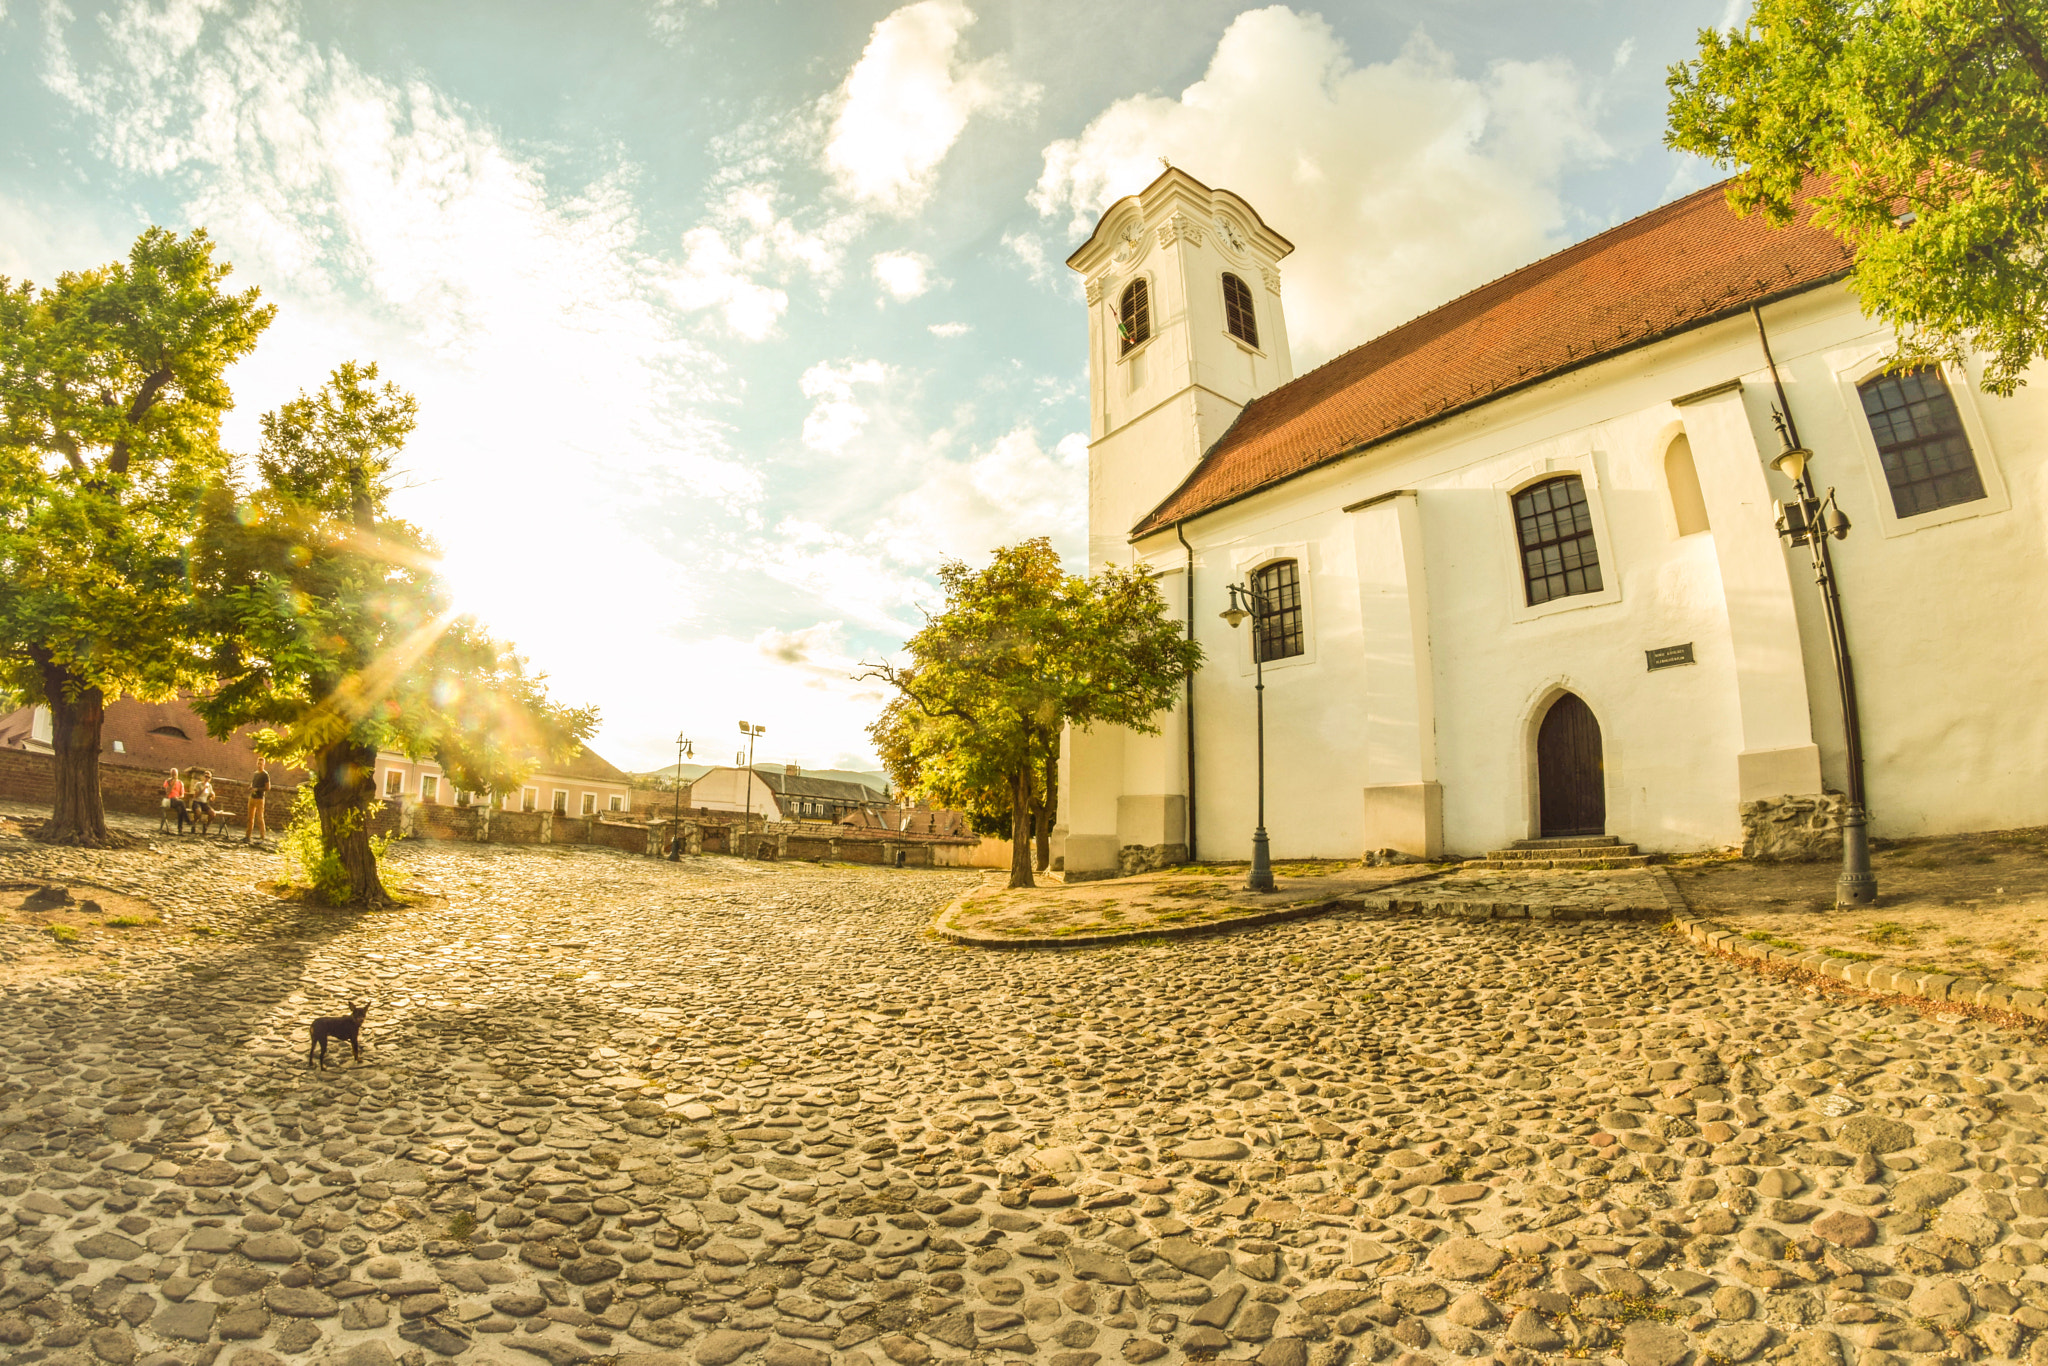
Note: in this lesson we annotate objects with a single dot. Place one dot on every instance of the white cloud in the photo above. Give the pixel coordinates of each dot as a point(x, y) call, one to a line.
point(1029, 249)
point(907, 101)
point(554, 371)
point(836, 418)
point(670, 19)
point(966, 509)
point(715, 276)
point(1624, 54)
point(950, 329)
point(904, 274)
point(745, 240)
point(1401, 183)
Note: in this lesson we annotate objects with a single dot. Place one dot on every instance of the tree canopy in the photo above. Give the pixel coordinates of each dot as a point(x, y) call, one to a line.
point(1021, 650)
point(111, 391)
point(332, 631)
point(1919, 130)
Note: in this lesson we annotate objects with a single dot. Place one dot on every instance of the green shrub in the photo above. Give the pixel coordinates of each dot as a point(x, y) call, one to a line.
point(310, 864)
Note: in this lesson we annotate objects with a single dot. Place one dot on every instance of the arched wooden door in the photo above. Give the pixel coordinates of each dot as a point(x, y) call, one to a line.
point(1571, 780)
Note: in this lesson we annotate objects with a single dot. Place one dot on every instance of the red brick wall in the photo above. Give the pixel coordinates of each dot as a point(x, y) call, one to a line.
point(26, 777)
point(631, 839)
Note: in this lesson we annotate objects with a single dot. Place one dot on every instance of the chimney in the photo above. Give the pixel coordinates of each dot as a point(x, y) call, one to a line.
point(791, 771)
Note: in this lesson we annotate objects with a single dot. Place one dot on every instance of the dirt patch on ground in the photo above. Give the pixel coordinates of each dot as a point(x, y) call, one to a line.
point(1970, 905)
point(1178, 899)
point(91, 908)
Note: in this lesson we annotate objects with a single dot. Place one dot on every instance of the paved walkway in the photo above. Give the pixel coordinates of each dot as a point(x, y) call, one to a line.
point(723, 1111)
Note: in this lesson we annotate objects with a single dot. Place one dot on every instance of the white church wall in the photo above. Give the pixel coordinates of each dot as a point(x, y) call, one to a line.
point(1942, 609)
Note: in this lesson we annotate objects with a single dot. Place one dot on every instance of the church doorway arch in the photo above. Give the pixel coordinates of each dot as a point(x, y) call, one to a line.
point(1571, 776)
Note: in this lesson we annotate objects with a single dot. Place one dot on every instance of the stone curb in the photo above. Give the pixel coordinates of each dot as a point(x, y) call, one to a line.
point(1447, 909)
point(1997, 1001)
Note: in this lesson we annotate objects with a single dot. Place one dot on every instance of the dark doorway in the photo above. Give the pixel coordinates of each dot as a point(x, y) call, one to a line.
point(1570, 779)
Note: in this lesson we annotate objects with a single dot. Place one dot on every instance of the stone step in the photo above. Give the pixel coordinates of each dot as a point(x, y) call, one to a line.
point(1566, 841)
point(1525, 865)
point(1615, 850)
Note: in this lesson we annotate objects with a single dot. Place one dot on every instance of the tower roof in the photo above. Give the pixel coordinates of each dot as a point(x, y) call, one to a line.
point(1172, 183)
point(1688, 263)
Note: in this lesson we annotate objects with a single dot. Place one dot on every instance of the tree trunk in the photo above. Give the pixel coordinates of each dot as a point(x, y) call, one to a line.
point(344, 792)
point(77, 815)
point(1048, 813)
point(1020, 828)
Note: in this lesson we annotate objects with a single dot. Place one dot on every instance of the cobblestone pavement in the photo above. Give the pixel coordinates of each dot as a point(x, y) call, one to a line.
point(717, 1112)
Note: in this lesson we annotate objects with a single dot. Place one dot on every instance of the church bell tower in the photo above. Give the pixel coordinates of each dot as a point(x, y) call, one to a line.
point(1185, 328)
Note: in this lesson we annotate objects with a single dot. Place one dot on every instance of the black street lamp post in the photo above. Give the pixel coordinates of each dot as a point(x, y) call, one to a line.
point(675, 830)
point(747, 777)
point(1246, 601)
point(1811, 519)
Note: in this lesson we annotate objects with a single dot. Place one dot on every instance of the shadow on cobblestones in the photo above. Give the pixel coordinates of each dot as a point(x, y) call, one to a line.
point(714, 1111)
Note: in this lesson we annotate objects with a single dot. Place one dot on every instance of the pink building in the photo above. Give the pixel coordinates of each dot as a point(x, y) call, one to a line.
point(584, 786)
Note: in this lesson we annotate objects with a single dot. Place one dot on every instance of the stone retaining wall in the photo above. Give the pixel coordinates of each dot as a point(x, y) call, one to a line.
point(1793, 829)
point(30, 778)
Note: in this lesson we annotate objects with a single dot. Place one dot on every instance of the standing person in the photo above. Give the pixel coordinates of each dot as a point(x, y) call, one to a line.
point(174, 796)
point(259, 791)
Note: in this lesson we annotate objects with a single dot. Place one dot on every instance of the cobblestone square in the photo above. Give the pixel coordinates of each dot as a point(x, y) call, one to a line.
point(722, 1111)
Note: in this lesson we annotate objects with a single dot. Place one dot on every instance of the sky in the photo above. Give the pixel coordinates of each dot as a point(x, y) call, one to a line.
point(731, 322)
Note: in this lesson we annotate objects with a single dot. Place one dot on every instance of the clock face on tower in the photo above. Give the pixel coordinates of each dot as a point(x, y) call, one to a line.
point(1133, 235)
point(1227, 230)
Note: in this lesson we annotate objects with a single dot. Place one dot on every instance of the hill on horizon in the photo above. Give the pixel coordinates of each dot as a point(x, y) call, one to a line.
point(661, 777)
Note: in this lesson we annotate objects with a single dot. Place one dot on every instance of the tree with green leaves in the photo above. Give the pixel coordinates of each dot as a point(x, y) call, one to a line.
point(1022, 650)
point(111, 394)
point(1918, 129)
point(332, 631)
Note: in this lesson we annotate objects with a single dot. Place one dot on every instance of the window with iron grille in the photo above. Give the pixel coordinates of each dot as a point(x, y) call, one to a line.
point(1920, 440)
point(1134, 315)
point(1237, 310)
point(1555, 526)
point(1278, 634)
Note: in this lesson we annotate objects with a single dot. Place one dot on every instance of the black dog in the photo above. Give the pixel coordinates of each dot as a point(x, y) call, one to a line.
point(347, 1028)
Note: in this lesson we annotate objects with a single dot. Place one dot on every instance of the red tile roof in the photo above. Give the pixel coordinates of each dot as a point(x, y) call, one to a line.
point(1677, 267)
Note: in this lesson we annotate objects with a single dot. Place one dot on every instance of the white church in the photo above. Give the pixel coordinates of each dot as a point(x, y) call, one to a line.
point(1520, 553)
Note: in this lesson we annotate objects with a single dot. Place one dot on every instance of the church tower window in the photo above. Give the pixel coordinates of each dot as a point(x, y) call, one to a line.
point(1237, 311)
point(1134, 315)
point(1279, 627)
point(1920, 439)
point(1555, 525)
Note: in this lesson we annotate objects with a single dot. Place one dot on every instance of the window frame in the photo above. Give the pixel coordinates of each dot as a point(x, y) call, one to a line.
point(430, 796)
point(1246, 562)
point(589, 804)
point(1866, 363)
point(1250, 309)
point(1579, 459)
point(558, 800)
point(529, 799)
point(1565, 536)
point(1261, 592)
point(1127, 348)
point(394, 782)
point(618, 803)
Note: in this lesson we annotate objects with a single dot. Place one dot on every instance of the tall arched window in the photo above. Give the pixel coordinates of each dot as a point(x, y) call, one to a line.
point(1279, 634)
point(1237, 310)
point(1555, 527)
point(1134, 314)
point(1920, 439)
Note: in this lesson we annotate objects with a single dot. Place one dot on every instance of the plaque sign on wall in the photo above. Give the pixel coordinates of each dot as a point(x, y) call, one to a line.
point(1669, 656)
